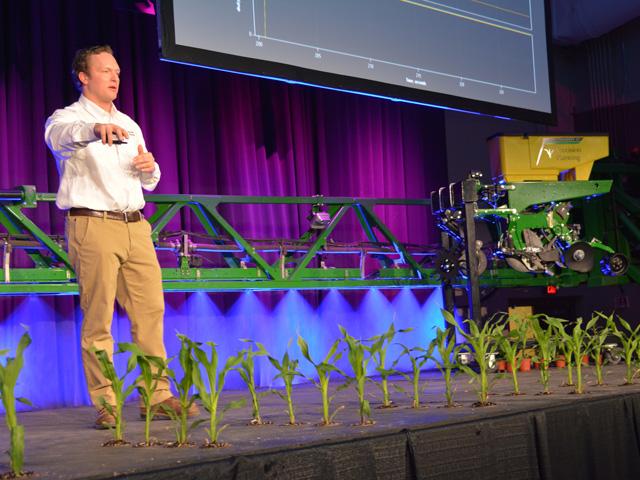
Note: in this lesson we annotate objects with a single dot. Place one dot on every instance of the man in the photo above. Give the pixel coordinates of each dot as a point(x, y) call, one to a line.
point(103, 163)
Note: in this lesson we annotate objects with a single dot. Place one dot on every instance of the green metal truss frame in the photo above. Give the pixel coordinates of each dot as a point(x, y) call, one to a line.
point(52, 273)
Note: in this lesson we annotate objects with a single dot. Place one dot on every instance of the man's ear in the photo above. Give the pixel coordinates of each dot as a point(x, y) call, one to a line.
point(83, 77)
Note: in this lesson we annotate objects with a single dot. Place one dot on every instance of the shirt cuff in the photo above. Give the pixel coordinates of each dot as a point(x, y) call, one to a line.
point(151, 177)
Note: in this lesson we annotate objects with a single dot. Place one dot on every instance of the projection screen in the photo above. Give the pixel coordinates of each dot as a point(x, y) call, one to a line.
point(482, 56)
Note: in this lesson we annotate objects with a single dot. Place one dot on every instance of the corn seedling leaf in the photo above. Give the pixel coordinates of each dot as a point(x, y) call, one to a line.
point(275, 363)
point(244, 376)
point(400, 389)
point(304, 349)
point(335, 412)
point(235, 404)
point(106, 405)
point(169, 411)
point(25, 401)
point(195, 424)
point(332, 353)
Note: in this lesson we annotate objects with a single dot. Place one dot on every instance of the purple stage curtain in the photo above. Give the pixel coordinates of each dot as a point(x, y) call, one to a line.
point(212, 133)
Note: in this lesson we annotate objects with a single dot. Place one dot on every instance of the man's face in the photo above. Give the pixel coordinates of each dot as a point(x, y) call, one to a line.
point(101, 82)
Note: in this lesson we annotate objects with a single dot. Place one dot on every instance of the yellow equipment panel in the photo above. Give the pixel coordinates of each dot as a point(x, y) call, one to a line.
point(520, 158)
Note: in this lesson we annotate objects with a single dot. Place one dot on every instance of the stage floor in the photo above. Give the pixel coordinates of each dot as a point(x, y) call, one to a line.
point(61, 444)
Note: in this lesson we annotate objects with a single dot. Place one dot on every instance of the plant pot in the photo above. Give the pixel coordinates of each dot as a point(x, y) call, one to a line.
point(561, 362)
point(509, 369)
point(501, 365)
point(585, 359)
point(525, 365)
point(536, 365)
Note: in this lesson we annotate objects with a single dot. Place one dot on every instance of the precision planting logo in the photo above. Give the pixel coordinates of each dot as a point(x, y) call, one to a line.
point(556, 147)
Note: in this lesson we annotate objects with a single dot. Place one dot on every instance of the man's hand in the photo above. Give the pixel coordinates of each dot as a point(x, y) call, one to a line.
point(108, 132)
point(144, 161)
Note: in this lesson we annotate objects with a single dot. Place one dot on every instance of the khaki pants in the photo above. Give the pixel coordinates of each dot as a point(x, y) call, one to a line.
point(116, 260)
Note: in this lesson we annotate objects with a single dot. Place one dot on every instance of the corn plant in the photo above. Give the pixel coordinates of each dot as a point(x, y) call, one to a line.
point(418, 357)
point(184, 387)
point(246, 369)
point(288, 371)
point(209, 392)
point(510, 348)
point(324, 370)
point(598, 337)
point(630, 340)
point(577, 342)
point(359, 360)
point(120, 392)
point(380, 345)
point(513, 345)
point(152, 368)
point(546, 338)
point(565, 348)
point(9, 373)
point(479, 342)
point(445, 360)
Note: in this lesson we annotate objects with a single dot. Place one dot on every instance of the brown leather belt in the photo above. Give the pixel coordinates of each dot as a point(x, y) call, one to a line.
point(126, 217)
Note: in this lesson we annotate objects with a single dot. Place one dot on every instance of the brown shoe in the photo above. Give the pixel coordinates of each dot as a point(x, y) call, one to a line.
point(159, 410)
point(104, 420)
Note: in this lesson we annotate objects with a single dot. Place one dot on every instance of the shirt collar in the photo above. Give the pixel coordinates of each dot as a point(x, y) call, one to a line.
point(95, 110)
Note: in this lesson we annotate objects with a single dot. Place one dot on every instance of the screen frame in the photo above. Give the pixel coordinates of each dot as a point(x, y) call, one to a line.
point(172, 52)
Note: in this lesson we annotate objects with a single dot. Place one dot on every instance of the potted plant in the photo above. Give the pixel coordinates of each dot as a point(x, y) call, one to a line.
point(546, 341)
point(501, 365)
point(151, 369)
point(183, 387)
point(597, 342)
point(630, 340)
point(324, 370)
point(577, 343)
point(525, 362)
point(479, 343)
point(379, 347)
point(120, 394)
point(359, 360)
point(288, 371)
point(511, 347)
point(567, 354)
point(418, 357)
point(518, 333)
point(447, 352)
point(246, 370)
point(9, 373)
point(210, 388)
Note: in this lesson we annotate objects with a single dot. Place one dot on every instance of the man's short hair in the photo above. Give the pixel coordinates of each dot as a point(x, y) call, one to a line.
point(81, 64)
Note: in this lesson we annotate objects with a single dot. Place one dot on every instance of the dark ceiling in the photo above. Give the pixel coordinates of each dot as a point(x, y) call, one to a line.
point(574, 21)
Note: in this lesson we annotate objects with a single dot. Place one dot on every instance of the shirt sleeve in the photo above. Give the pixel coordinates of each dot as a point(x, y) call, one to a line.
point(64, 133)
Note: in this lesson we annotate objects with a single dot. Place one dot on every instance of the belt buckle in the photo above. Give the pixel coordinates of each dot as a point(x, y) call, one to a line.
point(126, 218)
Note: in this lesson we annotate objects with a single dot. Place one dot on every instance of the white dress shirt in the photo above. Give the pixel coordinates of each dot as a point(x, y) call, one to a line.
point(92, 174)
